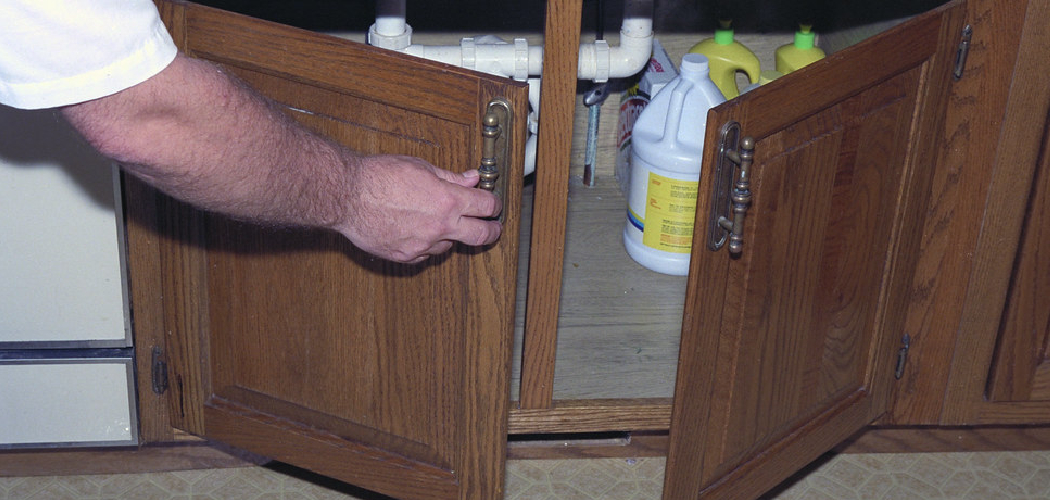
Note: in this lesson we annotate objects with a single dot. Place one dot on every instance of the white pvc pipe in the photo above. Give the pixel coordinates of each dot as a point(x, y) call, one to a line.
point(516, 60)
point(489, 54)
point(390, 26)
point(533, 125)
point(390, 30)
point(597, 61)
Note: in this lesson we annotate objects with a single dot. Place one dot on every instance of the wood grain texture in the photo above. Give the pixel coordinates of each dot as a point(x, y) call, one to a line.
point(327, 453)
point(804, 445)
point(957, 181)
point(994, 131)
point(557, 104)
point(172, 285)
point(1019, 144)
point(488, 346)
point(148, 459)
point(788, 349)
point(929, 439)
point(289, 340)
point(593, 416)
point(390, 79)
point(143, 257)
point(1020, 371)
point(957, 194)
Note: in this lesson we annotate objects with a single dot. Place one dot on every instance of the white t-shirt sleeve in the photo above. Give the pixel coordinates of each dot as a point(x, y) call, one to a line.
point(60, 52)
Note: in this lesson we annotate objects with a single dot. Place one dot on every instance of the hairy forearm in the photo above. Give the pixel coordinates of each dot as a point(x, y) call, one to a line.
point(203, 137)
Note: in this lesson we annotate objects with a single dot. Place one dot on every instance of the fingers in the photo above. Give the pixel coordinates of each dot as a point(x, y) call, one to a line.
point(476, 232)
point(469, 179)
point(476, 202)
point(480, 203)
point(473, 226)
point(427, 211)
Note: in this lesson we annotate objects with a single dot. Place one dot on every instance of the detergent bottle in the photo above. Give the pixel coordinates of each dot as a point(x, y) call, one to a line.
point(764, 77)
point(725, 57)
point(801, 52)
point(667, 145)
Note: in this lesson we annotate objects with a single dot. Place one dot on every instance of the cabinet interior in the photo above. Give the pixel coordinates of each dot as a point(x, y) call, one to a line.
point(619, 323)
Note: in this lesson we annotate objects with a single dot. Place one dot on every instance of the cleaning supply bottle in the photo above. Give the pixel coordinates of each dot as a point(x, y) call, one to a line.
point(764, 77)
point(725, 57)
point(801, 52)
point(667, 145)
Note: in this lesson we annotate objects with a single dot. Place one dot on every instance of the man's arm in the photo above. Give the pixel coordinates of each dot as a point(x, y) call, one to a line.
point(204, 137)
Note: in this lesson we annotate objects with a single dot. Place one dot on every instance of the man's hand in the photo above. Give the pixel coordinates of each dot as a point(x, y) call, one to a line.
point(404, 209)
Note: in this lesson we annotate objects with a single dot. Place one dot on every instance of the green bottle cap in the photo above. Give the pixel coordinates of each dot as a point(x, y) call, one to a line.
point(804, 38)
point(723, 37)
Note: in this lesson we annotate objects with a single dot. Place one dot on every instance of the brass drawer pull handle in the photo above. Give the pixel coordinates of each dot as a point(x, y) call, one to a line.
point(729, 207)
point(490, 131)
point(495, 146)
point(496, 125)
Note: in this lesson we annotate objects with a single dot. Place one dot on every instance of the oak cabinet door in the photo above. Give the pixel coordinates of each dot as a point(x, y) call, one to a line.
point(789, 347)
point(1021, 368)
point(981, 285)
point(297, 346)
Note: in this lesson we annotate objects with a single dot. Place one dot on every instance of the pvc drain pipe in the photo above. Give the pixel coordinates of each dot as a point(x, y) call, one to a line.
point(489, 54)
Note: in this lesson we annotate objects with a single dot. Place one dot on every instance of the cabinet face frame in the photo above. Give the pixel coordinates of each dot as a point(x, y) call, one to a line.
point(991, 143)
point(296, 346)
point(783, 359)
point(1016, 154)
point(165, 410)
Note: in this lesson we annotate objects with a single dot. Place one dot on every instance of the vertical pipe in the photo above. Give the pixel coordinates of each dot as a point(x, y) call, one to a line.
point(390, 17)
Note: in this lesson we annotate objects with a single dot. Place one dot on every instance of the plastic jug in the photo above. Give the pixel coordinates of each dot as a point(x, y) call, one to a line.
point(725, 57)
point(667, 145)
point(801, 52)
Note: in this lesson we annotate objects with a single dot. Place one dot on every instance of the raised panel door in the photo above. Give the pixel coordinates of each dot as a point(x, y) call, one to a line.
point(297, 346)
point(789, 346)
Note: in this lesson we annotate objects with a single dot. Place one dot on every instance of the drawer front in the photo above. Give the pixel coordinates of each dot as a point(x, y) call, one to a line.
point(67, 403)
point(60, 238)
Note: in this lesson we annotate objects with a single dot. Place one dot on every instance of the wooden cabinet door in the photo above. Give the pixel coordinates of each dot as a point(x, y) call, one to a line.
point(981, 283)
point(297, 346)
point(1021, 368)
point(789, 347)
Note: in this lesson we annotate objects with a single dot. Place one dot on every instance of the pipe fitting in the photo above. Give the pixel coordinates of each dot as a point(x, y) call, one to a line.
point(469, 53)
point(521, 60)
point(380, 35)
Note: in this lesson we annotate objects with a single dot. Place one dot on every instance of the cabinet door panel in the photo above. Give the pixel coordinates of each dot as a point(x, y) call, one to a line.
point(294, 344)
point(1021, 368)
point(789, 347)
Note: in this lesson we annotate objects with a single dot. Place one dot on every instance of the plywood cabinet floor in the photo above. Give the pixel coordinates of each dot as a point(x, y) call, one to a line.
point(620, 323)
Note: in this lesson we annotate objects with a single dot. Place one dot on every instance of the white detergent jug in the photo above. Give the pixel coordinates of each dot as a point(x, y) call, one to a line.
point(668, 142)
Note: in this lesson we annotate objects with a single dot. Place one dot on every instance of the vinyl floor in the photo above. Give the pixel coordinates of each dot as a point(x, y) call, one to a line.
point(913, 476)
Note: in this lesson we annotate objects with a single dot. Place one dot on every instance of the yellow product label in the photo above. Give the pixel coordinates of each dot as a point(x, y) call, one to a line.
point(669, 213)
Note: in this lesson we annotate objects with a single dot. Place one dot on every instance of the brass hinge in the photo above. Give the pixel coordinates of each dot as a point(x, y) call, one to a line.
point(902, 356)
point(159, 371)
point(963, 52)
